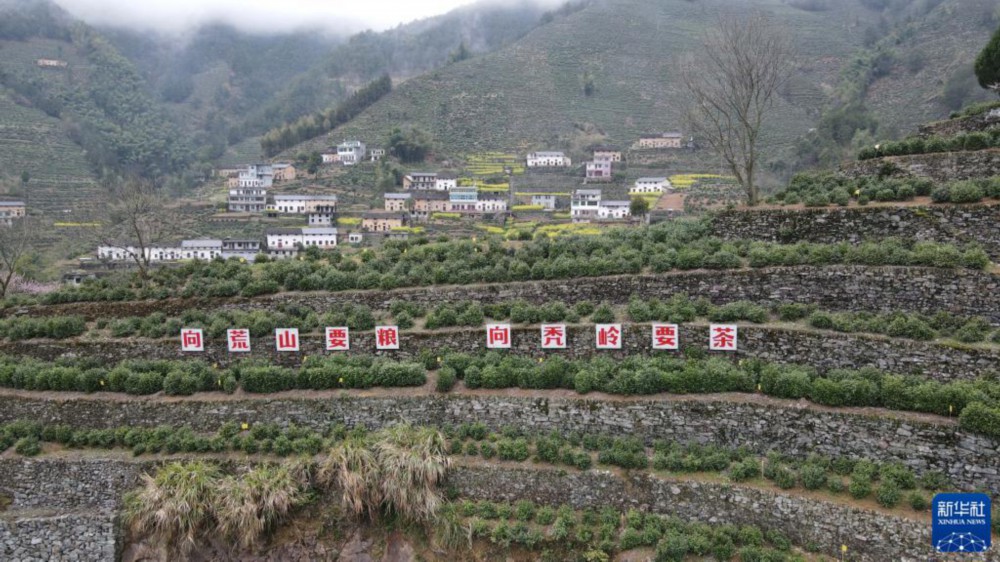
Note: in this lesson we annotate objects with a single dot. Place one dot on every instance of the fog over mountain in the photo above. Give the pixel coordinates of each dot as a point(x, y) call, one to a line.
point(173, 16)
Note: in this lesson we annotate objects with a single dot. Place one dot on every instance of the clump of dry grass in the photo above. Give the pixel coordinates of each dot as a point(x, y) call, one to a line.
point(186, 501)
point(248, 506)
point(395, 471)
point(175, 506)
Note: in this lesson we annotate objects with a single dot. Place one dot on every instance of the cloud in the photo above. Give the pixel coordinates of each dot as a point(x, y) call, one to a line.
point(174, 16)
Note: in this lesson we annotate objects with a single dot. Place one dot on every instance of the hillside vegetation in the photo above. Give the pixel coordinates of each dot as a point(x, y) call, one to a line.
point(612, 68)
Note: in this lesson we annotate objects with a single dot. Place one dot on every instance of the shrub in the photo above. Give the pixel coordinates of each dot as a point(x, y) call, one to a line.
point(602, 315)
point(888, 494)
point(28, 446)
point(835, 485)
point(784, 478)
point(813, 476)
point(965, 192)
point(917, 501)
point(446, 378)
point(744, 470)
point(980, 418)
point(860, 488)
point(941, 194)
point(899, 474)
point(672, 548)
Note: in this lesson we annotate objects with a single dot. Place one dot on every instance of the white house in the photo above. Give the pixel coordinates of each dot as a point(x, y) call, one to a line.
point(256, 175)
point(547, 202)
point(284, 240)
point(330, 157)
point(203, 249)
point(445, 183)
point(324, 237)
point(247, 200)
point(491, 205)
point(672, 139)
point(651, 185)
point(351, 152)
point(240, 248)
point(584, 204)
point(613, 210)
point(303, 204)
point(548, 159)
point(376, 154)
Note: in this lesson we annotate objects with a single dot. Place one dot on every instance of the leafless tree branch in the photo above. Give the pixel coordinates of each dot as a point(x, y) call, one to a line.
point(137, 220)
point(733, 81)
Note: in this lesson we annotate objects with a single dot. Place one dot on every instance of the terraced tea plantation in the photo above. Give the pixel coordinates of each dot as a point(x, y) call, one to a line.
point(747, 386)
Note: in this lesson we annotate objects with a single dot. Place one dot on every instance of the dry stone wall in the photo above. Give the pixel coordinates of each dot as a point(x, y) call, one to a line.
point(820, 349)
point(870, 536)
point(80, 537)
point(793, 428)
point(938, 166)
point(851, 288)
point(956, 224)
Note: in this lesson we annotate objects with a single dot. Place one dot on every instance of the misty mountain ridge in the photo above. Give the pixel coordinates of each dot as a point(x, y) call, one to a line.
point(215, 89)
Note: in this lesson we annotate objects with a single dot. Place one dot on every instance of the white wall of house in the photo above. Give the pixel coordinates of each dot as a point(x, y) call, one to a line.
point(547, 160)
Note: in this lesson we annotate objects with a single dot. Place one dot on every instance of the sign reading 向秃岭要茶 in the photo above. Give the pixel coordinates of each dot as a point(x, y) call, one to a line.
point(960, 522)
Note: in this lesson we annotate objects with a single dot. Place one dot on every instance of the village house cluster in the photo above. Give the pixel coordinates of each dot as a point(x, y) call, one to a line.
point(722, 337)
point(426, 193)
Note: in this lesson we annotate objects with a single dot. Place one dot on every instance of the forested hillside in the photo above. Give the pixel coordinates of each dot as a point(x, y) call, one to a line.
point(174, 106)
point(611, 70)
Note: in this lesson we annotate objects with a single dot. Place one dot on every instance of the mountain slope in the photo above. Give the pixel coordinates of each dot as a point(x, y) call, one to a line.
point(531, 94)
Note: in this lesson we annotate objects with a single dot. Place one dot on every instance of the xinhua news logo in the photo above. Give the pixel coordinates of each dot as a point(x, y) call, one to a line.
point(961, 523)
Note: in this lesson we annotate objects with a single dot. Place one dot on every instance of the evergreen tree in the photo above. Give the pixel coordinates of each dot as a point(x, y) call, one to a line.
point(988, 63)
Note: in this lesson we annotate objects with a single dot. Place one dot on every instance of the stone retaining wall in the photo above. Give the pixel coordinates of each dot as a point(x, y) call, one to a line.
point(80, 537)
point(870, 536)
point(956, 224)
point(939, 166)
point(852, 288)
point(820, 349)
point(793, 428)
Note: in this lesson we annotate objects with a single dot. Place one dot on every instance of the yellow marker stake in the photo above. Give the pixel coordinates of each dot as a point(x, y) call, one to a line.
point(244, 426)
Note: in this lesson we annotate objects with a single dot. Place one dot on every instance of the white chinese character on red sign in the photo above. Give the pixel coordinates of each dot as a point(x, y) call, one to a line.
point(239, 340)
point(498, 336)
point(722, 337)
point(386, 337)
point(192, 340)
point(665, 336)
point(553, 336)
point(286, 339)
point(609, 336)
point(338, 339)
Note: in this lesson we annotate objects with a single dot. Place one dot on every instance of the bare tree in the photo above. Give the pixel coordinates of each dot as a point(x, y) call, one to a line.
point(14, 244)
point(138, 220)
point(733, 81)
